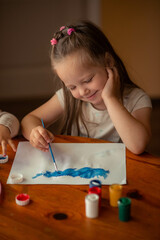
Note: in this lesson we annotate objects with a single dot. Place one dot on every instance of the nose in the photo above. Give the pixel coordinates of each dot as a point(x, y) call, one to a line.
point(83, 91)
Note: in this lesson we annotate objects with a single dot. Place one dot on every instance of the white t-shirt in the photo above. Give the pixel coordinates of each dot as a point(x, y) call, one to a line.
point(99, 123)
point(10, 121)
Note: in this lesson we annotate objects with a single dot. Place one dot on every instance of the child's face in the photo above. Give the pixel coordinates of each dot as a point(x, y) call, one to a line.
point(85, 82)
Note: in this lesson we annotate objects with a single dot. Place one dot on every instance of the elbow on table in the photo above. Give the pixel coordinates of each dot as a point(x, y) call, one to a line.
point(140, 146)
point(137, 150)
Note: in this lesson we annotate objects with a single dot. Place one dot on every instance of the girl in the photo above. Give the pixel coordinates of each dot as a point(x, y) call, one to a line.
point(9, 127)
point(97, 98)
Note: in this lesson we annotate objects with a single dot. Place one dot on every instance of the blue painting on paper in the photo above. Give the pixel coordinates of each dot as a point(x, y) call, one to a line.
point(85, 172)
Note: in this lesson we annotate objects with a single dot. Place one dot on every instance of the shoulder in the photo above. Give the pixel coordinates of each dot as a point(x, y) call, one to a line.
point(60, 96)
point(135, 99)
point(59, 92)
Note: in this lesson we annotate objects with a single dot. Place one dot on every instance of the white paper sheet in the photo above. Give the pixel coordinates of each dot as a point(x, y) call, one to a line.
point(109, 157)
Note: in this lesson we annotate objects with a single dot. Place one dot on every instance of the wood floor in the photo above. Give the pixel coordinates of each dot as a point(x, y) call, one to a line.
point(21, 107)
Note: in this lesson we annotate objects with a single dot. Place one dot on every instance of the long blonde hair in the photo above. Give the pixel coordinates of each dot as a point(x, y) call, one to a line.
point(89, 38)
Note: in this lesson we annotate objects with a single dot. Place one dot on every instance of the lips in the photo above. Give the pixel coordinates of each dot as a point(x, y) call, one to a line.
point(92, 96)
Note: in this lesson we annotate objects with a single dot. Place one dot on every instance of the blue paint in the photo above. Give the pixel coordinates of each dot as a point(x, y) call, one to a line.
point(2, 158)
point(85, 172)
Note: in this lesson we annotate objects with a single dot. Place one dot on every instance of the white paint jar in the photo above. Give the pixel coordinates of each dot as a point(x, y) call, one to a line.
point(92, 205)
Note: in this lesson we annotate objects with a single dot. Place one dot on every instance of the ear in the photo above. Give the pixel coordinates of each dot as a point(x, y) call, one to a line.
point(109, 60)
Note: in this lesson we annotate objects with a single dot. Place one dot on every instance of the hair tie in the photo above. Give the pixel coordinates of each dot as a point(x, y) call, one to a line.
point(61, 28)
point(70, 30)
point(53, 41)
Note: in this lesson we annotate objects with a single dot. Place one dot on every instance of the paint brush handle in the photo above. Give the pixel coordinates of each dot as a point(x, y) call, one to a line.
point(55, 165)
point(42, 123)
point(50, 149)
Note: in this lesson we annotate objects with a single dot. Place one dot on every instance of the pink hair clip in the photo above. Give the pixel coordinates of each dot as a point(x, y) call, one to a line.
point(61, 28)
point(70, 30)
point(53, 41)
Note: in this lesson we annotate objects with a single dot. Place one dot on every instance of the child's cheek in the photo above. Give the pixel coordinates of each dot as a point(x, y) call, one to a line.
point(75, 95)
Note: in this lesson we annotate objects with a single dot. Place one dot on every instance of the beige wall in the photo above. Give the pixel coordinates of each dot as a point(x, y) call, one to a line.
point(133, 28)
point(26, 29)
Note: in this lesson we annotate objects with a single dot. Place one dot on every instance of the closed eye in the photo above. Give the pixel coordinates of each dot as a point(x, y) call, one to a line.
point(89, 80)
point(72, 88)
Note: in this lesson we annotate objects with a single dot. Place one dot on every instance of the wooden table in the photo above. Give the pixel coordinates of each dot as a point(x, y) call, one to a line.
point(41, 219)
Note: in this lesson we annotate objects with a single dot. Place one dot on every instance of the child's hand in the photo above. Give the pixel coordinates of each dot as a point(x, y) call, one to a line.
point(40, 137)
point(112, 86)
point(5, 138)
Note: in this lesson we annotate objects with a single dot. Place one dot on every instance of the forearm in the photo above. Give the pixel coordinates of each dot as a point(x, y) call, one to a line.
point(132, 132)
point(28, 123)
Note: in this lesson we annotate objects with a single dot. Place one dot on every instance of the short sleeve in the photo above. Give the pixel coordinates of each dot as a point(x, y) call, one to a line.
point(137, 99)
point(60, 96)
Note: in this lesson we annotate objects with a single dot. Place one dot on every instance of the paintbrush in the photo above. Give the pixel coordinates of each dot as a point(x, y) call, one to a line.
point(50, 149)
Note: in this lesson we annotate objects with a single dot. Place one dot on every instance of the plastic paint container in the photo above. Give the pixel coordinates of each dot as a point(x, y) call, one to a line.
point(92, 205)
point(115, 193)
point(124, 206)
point(96, 190)
point(3, 159)
point(95, 183)
point(16, 178)
point(22, 199)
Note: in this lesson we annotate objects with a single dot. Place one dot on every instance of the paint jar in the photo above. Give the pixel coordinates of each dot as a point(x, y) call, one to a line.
point(124, 206)
point(95, 183)
point(96, 190)
point(115, 193)
point(3, 159)
point(92, 205)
